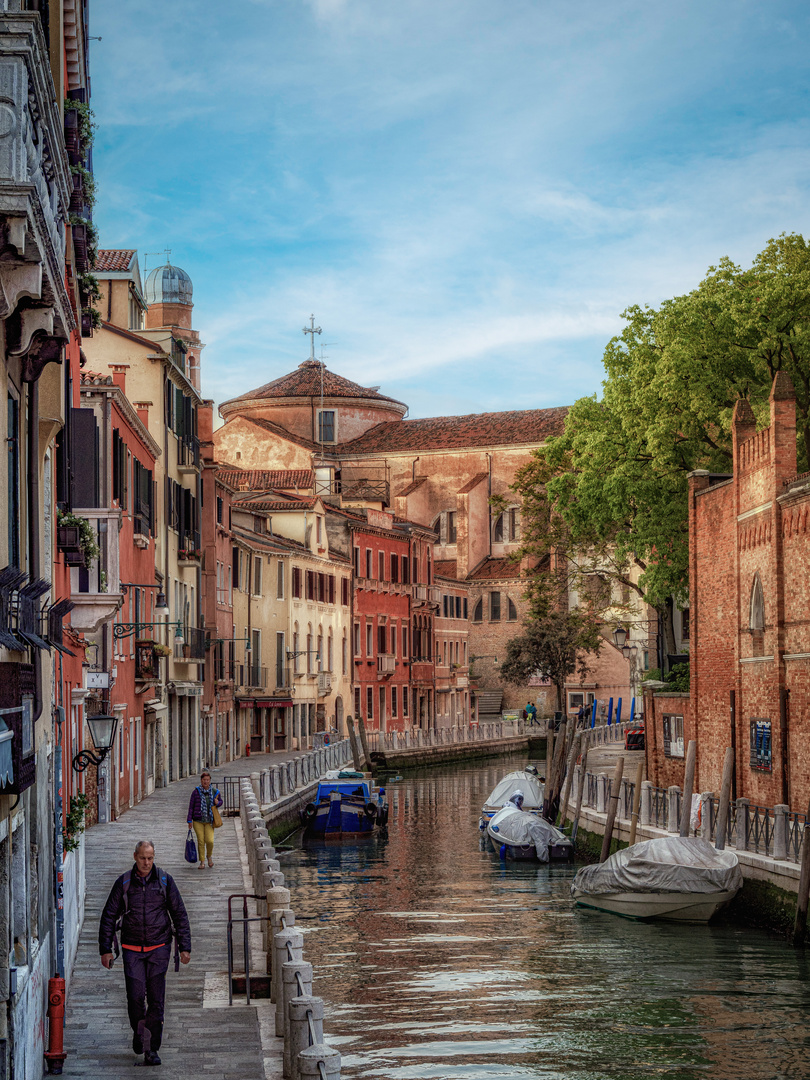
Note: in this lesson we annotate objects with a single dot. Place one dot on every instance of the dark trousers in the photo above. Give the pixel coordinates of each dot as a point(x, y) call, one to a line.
point(145, 976)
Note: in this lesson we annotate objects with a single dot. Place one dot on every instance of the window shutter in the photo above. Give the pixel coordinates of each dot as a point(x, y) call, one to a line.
point(443, 527)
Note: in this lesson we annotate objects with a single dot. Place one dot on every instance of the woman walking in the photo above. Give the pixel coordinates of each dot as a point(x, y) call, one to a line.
point(201, 806)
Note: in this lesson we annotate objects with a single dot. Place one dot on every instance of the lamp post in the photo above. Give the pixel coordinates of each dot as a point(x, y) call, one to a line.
point(102, 732)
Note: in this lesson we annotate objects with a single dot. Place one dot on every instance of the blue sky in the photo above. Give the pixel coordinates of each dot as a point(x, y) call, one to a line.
point(466, 194)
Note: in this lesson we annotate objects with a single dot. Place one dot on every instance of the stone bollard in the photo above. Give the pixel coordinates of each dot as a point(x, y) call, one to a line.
point(280, 919)
point(780, 830)
point(673, 816)
point(296, 980)
point(255, 783)
point(742, 824)
point(601, 793)
point(645, 817)
point(706, 800)
point(310, 1060)
point(281, 940)
point(301, 1011)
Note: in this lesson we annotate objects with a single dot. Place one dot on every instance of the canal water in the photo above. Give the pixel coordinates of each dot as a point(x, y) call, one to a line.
point(439, 962)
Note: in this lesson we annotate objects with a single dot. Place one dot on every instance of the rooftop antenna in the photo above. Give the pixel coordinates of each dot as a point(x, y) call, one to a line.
point(166, 251)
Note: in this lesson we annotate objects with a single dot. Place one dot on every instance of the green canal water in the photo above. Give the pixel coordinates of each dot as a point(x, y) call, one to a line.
point(439, 962)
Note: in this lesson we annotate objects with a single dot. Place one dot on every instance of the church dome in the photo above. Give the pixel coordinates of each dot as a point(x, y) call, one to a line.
point(168, 285)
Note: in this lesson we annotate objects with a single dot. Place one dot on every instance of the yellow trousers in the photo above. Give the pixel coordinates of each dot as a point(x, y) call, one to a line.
point(205, 839)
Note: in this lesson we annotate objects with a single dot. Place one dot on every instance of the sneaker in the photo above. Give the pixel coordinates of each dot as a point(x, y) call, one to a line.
point(151, 1057)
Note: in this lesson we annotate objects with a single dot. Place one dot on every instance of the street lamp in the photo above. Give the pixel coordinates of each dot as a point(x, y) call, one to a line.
point(102, 732)
point(620, 636)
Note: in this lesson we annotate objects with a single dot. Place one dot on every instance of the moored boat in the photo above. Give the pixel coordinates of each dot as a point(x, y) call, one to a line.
point(344, 805)
point(524, 780)
point(677, 878)
point(517, 835)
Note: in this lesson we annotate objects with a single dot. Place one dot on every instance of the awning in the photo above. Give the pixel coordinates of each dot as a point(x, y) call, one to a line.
point(186, 689)
point(155, 707)
point(6, 764)
point(274, 703)
point(245, 703)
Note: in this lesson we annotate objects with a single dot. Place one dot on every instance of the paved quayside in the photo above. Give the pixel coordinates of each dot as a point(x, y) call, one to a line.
point(211, 1042)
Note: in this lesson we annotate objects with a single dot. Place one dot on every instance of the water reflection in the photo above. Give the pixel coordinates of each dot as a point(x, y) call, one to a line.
point(439, 962)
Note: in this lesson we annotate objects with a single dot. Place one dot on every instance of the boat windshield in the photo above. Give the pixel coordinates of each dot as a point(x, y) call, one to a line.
point(345, 787)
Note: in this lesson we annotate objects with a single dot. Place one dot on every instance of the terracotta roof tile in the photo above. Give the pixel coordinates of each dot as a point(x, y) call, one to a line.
point(476, 480)
point(445, 568)
point(274, 500)
point(519, 428)
point(493, 569)
point(114, 260)
point(305, 381)
point(263, 479)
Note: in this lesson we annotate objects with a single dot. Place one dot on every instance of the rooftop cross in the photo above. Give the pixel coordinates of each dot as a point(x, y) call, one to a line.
point(312, 329)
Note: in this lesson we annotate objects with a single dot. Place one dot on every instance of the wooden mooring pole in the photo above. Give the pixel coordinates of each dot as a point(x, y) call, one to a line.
point(553, 782)
point(353, 743)
point(800, 925)
point(688, 787)
point(613, 806)
point(361, 727)
point(582, 782)
point(569, 776)
point(636, 802)
point(725, 796)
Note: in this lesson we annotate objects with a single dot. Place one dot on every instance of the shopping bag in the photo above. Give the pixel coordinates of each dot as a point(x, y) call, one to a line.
point(191, 847)
point(216, 817)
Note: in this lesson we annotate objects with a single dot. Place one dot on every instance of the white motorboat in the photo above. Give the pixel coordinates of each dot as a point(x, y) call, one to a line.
point(517, 835)
point(526, 781)
point(678, 878)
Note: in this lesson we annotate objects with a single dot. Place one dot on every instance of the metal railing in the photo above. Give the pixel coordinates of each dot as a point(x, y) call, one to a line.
point(659, 808)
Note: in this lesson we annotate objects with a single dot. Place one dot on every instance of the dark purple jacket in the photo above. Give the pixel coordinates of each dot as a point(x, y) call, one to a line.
point(195, 803)
point(150, 915)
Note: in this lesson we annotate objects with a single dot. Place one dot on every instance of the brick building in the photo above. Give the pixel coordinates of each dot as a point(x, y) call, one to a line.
point(440, 473)
point(750, 637)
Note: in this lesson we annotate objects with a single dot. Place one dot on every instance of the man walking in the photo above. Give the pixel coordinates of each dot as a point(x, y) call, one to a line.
point(145, 904)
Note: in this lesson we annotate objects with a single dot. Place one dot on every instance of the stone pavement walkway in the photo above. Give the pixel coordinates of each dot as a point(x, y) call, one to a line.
point(216, 1043)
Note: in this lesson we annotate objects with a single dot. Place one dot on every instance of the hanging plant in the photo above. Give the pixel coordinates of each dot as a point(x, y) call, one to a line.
point(88, 184)
point(87, 537)
point(74, 821)
point(90, 288)
point(87, 122)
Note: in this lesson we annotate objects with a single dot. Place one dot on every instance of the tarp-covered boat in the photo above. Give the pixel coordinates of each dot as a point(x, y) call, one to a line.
point(344, 805)
point(527, 781)
point(679, 878)
point(518, 835)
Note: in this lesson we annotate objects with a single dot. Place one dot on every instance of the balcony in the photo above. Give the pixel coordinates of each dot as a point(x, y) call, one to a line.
point(364, 490)
point(192, 650)
point(95, 588)
point(386, 665)
point(251, 675)
point(37, 186)
point(188, 454)
point(324, 683)
point(147, 661)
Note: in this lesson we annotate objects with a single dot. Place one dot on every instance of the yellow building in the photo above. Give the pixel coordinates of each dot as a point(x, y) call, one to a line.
point(292, 613)
point(157, 367)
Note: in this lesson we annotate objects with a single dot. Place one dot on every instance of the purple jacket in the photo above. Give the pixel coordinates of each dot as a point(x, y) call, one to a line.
point(195, 803)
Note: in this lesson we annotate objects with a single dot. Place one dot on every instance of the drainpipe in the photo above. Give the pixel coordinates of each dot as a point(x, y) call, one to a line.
point(489, 497)
point(413, 469)
point(784, 695)
point(34, 561)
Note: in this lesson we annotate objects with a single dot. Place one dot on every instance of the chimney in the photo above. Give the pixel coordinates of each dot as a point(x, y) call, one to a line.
point(119, 375)
point(142, 409)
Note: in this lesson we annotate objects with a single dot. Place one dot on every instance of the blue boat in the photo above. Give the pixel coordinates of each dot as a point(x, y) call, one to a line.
point(344, 805)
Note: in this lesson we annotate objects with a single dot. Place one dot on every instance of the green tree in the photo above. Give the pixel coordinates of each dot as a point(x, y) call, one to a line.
point(556, 640)
point(613, 487)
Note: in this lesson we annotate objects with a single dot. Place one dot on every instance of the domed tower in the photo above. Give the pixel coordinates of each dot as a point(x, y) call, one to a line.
point(169, 302)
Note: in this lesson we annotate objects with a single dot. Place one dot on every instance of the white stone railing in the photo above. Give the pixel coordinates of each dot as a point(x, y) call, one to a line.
point(416, 738)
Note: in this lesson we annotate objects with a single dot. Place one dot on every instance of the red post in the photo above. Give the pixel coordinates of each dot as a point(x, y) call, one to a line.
point(55, 1054)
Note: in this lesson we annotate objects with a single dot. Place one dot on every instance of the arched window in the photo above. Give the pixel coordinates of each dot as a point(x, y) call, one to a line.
point(756, 617)
point(478, 611)
point(512, 610)
point(506, 526)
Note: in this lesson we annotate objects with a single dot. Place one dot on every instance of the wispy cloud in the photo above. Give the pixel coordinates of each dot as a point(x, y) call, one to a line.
point(467, 195)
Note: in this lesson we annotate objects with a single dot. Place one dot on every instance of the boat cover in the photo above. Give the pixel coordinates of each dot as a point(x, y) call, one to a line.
point(678, 864)
point(513, 826)
point(528, 783)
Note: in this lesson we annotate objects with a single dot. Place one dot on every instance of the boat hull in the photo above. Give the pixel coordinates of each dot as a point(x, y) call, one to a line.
point(337, 818)
point(673, 907)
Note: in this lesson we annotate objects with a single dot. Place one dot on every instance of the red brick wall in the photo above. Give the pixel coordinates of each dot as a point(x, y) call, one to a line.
point(663, 770)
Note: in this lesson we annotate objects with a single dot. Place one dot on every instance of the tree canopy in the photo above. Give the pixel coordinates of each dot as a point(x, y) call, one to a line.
point(615, 483)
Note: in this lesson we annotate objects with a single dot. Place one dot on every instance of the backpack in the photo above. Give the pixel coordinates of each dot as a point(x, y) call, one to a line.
point(163, 883)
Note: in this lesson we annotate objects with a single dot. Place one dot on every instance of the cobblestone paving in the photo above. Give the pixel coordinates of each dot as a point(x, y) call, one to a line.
point(221, 1044)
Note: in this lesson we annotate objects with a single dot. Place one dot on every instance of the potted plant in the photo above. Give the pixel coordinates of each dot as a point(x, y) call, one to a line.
point(79, 535)
point(161, 649)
